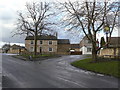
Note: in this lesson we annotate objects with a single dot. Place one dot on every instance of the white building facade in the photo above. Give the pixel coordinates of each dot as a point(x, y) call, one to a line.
point(85, 46)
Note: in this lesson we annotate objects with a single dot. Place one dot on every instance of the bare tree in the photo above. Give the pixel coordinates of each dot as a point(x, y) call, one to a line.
point(91, 18)
point(35, 21)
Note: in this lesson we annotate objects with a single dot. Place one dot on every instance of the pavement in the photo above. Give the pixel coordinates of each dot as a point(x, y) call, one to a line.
point(51, 73)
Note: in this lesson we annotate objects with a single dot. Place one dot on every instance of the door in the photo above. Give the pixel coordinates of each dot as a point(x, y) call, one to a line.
point(40, 49)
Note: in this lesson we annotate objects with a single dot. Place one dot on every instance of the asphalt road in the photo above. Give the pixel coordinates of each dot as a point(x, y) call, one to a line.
point(51, 73)
point(0, 71)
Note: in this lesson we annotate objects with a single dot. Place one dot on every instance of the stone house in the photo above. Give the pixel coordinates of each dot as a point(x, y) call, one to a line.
point(85, 46)
point(113, 49)
point(47, 44)
point(63, 46)
point(16, 49)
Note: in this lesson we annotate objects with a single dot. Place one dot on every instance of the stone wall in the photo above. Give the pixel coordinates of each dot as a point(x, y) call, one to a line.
point(63, 48)
point(110, 51)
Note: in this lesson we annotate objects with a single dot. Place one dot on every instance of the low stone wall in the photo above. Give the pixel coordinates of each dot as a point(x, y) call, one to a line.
point(110, 53)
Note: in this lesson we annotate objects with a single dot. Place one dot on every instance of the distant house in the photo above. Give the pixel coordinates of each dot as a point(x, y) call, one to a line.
point(75, 47)
point(47, 44)
point(63, 46)
point(86, 46)
point(16, 49)
point(1, 50)
point(113, 48)
point(5, 48)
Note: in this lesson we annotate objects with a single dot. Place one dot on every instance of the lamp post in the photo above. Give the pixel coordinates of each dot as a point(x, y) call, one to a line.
point(106, 30)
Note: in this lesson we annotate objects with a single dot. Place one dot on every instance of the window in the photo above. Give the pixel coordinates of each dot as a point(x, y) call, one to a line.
point(41, 42)
point(50, 42)
point(89, 49)
point(86, 41)
point(50, 49)
point(89, 41)
point(31, 49)
point(31, 42)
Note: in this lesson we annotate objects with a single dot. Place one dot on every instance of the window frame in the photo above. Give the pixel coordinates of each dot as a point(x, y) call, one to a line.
point(32, 42)
point(41, 41)
point(51, 49)
point(89, 41)
point(50, 43)
point(89, 49)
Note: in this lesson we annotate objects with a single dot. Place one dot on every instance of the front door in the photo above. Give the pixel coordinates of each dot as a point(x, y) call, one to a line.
point(40, 49)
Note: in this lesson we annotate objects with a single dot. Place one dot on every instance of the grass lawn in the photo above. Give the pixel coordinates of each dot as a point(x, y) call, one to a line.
point(108, 67)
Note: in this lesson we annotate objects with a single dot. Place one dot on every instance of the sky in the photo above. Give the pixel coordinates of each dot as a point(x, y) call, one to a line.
point(8, 16)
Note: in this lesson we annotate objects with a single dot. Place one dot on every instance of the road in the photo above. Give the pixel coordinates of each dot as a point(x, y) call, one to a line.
point(51, 73)
point(0, 71)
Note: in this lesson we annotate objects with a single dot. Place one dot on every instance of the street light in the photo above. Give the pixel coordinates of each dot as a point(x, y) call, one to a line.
point(106, 30)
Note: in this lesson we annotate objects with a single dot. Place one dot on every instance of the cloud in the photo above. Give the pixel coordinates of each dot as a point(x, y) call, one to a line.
point(8, 15)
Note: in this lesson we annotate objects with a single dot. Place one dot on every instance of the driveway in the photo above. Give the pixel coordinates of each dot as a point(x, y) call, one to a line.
point(52, 73)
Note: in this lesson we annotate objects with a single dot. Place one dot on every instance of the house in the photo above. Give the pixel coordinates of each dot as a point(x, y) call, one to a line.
point(113, 48)
point(47, 44)
point(16, 49)
point(63, 46)
point(1, 50)
point(5, 48)
point(75, 47)
point(85, 46)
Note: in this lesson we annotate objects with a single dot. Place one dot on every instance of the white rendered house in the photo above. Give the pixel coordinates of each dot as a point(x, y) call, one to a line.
point(86, 46)
point(86, 50)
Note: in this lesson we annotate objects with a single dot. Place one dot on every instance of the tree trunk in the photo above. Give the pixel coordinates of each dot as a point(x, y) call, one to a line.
point(94, 52)
point(35, 46)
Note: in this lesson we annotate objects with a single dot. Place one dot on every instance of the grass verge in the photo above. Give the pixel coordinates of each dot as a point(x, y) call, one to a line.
point(108, 68)
point(35, 56)
point(38, 57)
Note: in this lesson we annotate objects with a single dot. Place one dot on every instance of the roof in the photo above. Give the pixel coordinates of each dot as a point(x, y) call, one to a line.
point(63, 41)
point(114, 42)
point(75, 45)
point(16, 46)
point(43, 37)
point(85, 37)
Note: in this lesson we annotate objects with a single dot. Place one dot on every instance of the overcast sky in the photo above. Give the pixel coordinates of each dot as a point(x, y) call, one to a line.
point(8, 16)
